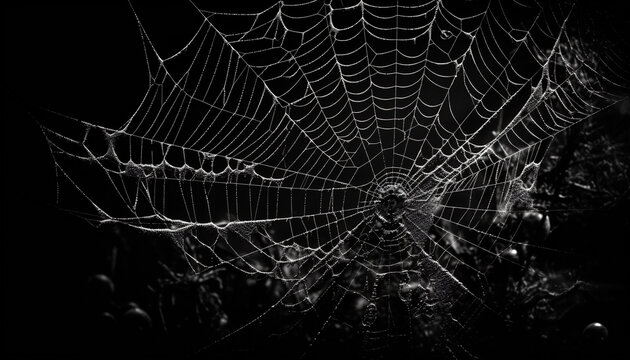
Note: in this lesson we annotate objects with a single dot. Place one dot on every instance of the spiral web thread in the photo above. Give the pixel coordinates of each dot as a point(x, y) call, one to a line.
point(267, 141)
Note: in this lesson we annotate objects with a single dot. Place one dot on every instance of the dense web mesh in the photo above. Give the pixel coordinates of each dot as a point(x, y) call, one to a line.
point(353, 153)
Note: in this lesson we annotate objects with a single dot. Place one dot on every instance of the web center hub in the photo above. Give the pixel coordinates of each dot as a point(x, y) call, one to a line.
point(391, 203)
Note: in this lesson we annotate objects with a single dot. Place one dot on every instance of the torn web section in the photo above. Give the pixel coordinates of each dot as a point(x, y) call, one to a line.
point(161, 198)
point(210, 146)
point(214, 192)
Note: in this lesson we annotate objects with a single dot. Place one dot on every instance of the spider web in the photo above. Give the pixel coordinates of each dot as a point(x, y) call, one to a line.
point(353, 153)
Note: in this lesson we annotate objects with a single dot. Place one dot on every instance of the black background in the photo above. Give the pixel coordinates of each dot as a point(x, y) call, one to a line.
point(84, 60)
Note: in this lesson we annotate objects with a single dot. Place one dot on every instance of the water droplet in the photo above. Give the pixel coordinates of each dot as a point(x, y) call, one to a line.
point(595, 332)
point(446, 34)
point(136, 320)
point(510, 255)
